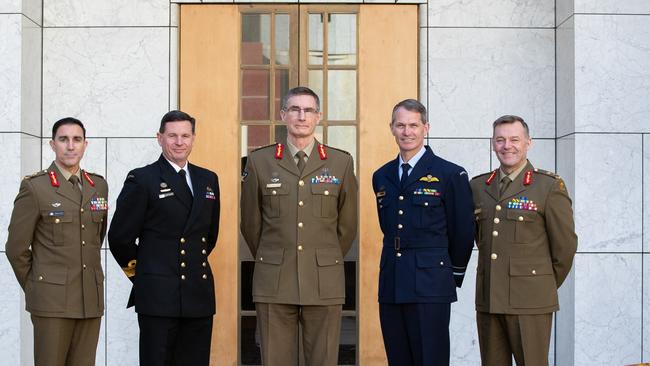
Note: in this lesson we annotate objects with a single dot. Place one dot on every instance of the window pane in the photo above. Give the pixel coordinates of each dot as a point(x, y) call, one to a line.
point(341, 95)
point(315, 39)
point(255, 95)
point(254, 136)
point(250, 342)
point(342, 39)
point(315, 83)
point(348, 342)
point(282, 39)
point(281, 88)
point(343, 137)
point(256, 39)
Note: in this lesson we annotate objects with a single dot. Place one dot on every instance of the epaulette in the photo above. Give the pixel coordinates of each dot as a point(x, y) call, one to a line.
point(38, 173)
point(480, 175)
point(264, 147)
point(333, 148)
point(95, 174)
point(546, 172)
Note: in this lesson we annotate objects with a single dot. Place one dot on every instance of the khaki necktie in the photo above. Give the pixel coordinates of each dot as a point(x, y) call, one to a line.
point(505, 182)
point(74, 180)
point(301, 160)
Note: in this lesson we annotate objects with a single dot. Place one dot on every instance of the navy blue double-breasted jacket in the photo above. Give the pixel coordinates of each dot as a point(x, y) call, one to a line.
point(428, 228)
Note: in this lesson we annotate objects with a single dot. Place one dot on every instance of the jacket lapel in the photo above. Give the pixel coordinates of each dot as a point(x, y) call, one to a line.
point(199, 188)
point(421, 168)
point(392, 172)
point(174, 181)
point(287, 163)
point(517, 186)
point(65, 188)
point(314, 162)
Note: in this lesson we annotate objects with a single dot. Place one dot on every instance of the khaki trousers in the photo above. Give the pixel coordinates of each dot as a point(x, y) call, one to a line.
point(278, 325)
point(502, 336)
point(65, 342)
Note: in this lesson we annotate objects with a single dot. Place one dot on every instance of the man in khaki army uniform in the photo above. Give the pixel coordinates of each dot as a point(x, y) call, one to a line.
point(526, 240)
point(56, 231)
point(299, 218)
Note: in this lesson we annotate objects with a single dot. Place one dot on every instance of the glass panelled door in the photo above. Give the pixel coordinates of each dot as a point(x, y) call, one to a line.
point(283, 46)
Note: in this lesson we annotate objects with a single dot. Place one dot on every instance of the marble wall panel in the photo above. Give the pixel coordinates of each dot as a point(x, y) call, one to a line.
point(612, 83)
point(9, 313)
point(566, 163)
point(608, 309)
point(9, 180)
point(10, 51)
point(30, 154)
point(612, 6)
point(471, 154)
point(100, 356)
point(565, 78)
point(563, 10)
point(116, 80)
point(462, 328)
point(67, 13)
point(94, 159)
point(31, 65)
point(492, 13)
point(608, 198)
point(33, 9)
point(646, 307)
point(477, 75)
point(646, 196)
point(173, 68)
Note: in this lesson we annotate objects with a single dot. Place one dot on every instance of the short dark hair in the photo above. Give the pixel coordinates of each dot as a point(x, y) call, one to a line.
point(299, 90)
point(176, 116)
point(67, 121)
point(411, 105)
point(509, 118)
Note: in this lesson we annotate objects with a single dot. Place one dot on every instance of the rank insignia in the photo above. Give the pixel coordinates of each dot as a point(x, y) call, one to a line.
point(53, 180)
point(562, 185)
point(429, 179)
point(166, 194)
point(92, 184)
point(163, 185)
point(279, 151)
point(522, 203)
point(322, 153)
point(98, 204)
point(528, 178)
point(491, 178)
point(325, 178)
point(381, 194)
point(426, 192)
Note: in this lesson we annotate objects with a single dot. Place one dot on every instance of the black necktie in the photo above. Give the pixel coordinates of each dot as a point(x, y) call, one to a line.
point(187, 186)
point(75, 185)
point(301, 160)
point(405, 174)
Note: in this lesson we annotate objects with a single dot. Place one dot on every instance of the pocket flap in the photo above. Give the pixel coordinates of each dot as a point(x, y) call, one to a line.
point(530, 266)
point(329, 256)
point(56, 276)
point(426, 201)
point(522, 215)
point(270, 255)
point(325, 189)
point(430, 260)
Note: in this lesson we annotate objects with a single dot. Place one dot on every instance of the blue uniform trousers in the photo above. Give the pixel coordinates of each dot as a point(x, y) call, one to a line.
point(416, 334)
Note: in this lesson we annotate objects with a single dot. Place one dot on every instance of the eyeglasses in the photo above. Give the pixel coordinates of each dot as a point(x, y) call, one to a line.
point(296, 111)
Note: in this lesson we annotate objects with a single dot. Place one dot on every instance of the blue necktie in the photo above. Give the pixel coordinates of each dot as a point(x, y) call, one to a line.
point(405, 174)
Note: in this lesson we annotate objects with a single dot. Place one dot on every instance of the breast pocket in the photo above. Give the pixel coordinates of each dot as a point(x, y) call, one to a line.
point(325, 199)
point(529, 225)
point(427, 210)
point(55, 227)
point(274, 201)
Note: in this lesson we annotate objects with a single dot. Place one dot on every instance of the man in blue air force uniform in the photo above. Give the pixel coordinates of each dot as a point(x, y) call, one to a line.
point(425, 212)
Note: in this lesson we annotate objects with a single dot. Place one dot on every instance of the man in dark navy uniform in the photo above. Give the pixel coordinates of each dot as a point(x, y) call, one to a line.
point(170, 208)
point(425, 212)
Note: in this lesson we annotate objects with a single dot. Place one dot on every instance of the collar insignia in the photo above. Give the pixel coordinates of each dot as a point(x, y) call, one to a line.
point(53, 180)
point(322, 152)
point(491, 177)
point(92, 184)
point(279, 151)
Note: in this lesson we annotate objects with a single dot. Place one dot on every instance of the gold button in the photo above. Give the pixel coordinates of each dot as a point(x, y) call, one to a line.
point(56, 221)
point(336, 261)
point(520, 218)
point(301, 183)
point(498, 207)
point(299, 247)
point(205, 276)
point(102, 219)
point(400, 212)
point(399, 254)
point(534, 272)
point(495, 233)
point(327, 193)
point(426, 203)
point(401, 198)
point(494, 256)
point(83, 242)
point(182, 251)
point(40, 278)
point(274, 192)
point(203, 239)
point(82, 210)
point(399, 226)
point(183, 264)
point(83, 227)
point(496, 220)
point(204, 264)
point(204, 251)
point(182, 240)
point(84, 266)
point(182, 277)
point(301, 203)
point(300, 224)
